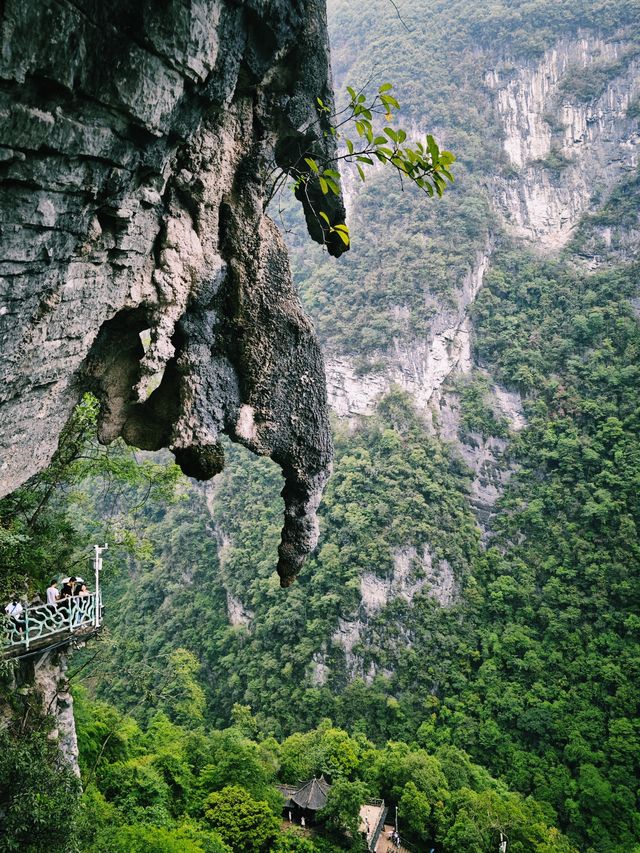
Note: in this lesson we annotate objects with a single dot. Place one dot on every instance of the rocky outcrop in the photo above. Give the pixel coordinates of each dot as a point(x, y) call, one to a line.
point(486, 457)
point(412, 573)
point(138, 144)
point(569, 133)
point(419, 367)
point(51, 685)
point(415, 572)
point(40, 697)
point(238, 614)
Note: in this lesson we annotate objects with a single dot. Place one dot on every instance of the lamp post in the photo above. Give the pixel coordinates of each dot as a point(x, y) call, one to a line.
point(97, 565)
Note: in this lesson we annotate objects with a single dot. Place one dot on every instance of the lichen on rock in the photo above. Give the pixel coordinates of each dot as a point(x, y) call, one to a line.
point(138, 143)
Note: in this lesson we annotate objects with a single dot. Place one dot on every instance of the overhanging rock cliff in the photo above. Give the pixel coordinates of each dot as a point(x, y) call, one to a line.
point(138, 142)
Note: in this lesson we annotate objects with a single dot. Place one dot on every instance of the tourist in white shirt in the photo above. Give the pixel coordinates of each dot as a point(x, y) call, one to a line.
point(53, 594)
point(14, 611)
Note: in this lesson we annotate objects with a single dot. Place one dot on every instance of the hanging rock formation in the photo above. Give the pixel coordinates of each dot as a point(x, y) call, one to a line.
point(138, 144)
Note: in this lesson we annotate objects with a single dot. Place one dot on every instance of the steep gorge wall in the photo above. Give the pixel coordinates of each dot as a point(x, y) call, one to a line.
point(137, 145)
point(570, 133)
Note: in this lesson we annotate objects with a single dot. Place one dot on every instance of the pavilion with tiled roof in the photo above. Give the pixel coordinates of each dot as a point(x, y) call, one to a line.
point(302, 802)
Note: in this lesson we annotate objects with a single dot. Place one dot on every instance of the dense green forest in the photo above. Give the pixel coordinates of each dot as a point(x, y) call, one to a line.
point(508, 704)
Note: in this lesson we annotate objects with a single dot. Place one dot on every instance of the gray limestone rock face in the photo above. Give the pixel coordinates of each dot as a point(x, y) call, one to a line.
point(138, 146)
point(567, 146)
point(39, 697)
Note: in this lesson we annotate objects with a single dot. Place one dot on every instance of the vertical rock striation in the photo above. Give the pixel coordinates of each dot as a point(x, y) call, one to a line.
point(569, 133)
point(138, 144)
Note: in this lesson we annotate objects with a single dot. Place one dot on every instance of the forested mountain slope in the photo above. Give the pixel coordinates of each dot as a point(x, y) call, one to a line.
point(499, 323)
point(476, 582)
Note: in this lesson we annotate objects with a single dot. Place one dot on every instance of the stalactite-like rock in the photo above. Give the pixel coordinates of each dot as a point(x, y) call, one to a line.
point(138, 143)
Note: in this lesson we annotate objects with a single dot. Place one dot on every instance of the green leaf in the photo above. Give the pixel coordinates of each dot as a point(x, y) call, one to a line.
point(393, 136)
point(324, 186)
point(399, 164)
point(360, 172)
point(389, 101)
point(311, 164)
point(342, 235)
point(434, 151)
point(362, 158)
point(349, 145)
point(385, 88)
point(324, 216)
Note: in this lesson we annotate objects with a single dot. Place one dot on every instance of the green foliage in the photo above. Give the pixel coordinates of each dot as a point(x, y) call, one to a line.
point(557, 668)
point(244, 823)
point(342, 811)
point(555, 161)
point(326, 750)
point(478, 415)
point(292, 842)
point(185, 696)
point(167, 785)
point(527, 681)
point(586, 84)
point(607, 231)
point(152, 839)
point(38, 798)
point(422, 164)
point(480, 817)
point(42, 536)
point(415, 808)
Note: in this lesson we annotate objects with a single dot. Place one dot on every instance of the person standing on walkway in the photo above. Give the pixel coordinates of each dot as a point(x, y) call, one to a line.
point(15, 611)
point(53, 595)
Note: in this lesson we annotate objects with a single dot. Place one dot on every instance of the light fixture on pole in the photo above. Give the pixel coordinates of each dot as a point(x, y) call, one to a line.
point(97, 565)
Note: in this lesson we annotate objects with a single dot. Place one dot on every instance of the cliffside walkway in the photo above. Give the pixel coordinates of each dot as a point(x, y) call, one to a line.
point(46, 625)
point(385, 845)
point(372, 816)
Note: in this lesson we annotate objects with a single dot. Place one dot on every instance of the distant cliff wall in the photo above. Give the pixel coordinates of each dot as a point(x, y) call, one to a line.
point(138, 142)
point(567, 124)
point(570, 133)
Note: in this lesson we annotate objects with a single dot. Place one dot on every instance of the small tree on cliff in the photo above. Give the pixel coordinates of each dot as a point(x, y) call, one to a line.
point(365, 135)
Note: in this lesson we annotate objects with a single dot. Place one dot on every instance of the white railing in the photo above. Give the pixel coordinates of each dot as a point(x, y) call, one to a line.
point(45, 620)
